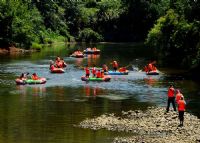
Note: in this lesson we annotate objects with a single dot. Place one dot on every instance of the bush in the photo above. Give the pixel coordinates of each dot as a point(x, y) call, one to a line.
point(36, 46)
point(88, 35)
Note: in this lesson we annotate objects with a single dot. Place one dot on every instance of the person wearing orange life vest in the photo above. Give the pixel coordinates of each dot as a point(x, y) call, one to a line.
point(151, 66)
point(58, 62)
point(87, 72)
point(115, 65)
point(181, 109)
point(122, 69)
point(98, 74)
point(62, 63)
point(23, 76)
point(178, 95)
point(146, 68)
point(94, 71)
point(34, 76)
point(52, 67)
point(105, 68)
point(102, 74)
point(171, 98)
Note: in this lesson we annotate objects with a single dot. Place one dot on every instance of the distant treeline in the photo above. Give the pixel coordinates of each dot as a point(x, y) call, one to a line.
point(170, 26)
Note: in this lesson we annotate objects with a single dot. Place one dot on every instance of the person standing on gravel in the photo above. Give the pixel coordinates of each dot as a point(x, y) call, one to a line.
point(171, 98)
point(181, 109)
point(178, 95)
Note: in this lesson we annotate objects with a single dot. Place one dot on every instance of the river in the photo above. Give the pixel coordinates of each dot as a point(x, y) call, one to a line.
point(50, 112)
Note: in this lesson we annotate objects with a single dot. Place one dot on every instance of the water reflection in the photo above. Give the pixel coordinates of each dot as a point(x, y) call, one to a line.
point(92, 59)
point(92, 91)
point(34, 90)
point(78, 61)
point(150, 80)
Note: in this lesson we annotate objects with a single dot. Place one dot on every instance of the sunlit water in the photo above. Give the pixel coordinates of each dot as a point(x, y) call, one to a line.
point(48, 113)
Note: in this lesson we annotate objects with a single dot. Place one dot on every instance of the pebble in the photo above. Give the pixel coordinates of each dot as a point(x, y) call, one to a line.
point(148, 126)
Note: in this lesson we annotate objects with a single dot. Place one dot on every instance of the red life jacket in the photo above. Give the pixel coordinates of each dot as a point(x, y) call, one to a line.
point(178, 97)
point(60, 64)
point(115, 64)
point(35, 77)
point(87, 71)
point(181, 105)
point(146, 69)
point(52, 67)
point(93, 70)
point(102, 74)
point(98, 74)
point(150, 67)
point(171, 92)
point(105, 68)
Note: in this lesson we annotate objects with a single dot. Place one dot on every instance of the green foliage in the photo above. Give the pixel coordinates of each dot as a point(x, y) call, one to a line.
point(175, 39)
point(89, 35)
point(19, 23)
point(36, 46)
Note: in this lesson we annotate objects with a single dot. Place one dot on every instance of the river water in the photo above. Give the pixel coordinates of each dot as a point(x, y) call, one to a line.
point(50, 112)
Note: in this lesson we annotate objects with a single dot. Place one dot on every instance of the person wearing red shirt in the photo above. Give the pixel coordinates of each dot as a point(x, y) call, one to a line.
point(94, 71)
point(99, 74)
point(105, 68)
point(150, 67)
point(178, 95)
point(181, 110)
point(115, 65)
point(87, 72)
point(34, 76)
point(171, 98)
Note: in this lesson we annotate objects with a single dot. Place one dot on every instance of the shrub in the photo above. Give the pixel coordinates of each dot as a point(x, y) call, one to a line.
point(36, 46)
point(88, 35)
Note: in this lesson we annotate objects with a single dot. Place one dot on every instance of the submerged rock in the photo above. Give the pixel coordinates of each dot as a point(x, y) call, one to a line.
point(148, 126)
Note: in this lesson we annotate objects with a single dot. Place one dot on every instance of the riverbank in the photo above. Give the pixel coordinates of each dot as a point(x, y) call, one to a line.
point(148, 126)
point(14, 50)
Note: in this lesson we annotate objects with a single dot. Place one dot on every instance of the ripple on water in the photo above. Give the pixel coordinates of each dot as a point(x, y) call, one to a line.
point(136, 84)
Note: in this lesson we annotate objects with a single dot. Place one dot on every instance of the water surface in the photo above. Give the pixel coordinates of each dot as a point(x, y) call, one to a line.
point(48, 113)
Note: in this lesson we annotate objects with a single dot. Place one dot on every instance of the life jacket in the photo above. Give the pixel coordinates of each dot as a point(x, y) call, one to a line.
point(145, 69)
point(59, 64)
point(178, 97)
point(105, 68)
point(35, 77)
point(123, 69)
point(87, 71)
point(115, 64)
point(150, 67)
point(52, 67)
point(102, 74)
point(171, 92)
point(98, 74)
point(154, 68)
point(93, 70)
point(181, 105)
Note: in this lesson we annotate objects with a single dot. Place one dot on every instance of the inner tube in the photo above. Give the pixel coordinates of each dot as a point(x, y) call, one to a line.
point(30, 81)
point(39, 81)
point(155, 72)
point(116, 73)
point(105, 78)
point(77, 55)
point(91, 51)
point(57, 70)
point(20, 82)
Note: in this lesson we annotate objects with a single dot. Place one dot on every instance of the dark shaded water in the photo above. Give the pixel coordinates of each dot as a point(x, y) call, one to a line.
point(48, 113)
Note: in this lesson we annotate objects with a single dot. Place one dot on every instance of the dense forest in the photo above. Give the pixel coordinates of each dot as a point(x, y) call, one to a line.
point(171, 27)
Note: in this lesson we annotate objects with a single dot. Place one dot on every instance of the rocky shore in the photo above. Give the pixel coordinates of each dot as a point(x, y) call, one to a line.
point(152, 125)
point(13, 50)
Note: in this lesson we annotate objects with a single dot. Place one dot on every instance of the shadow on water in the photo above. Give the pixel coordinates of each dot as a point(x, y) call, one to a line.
point(48, 113)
